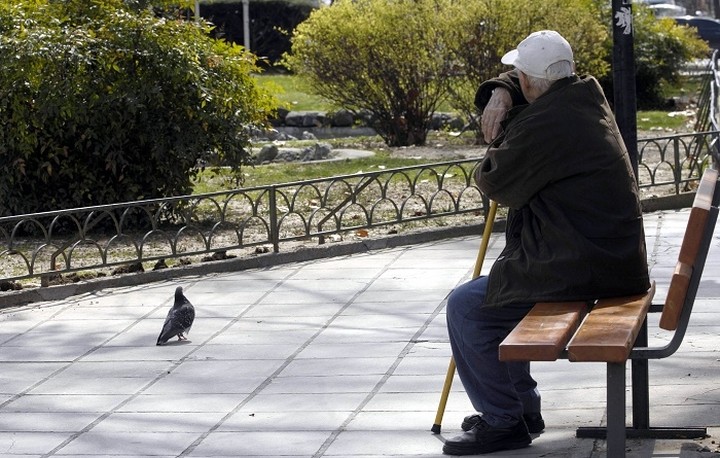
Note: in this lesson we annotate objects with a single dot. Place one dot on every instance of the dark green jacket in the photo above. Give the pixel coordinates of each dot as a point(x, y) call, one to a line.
point(575, 229)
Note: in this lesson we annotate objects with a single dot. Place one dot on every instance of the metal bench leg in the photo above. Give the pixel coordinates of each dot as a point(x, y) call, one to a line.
point(616, 409)
point(640, 385)
point(641, 407)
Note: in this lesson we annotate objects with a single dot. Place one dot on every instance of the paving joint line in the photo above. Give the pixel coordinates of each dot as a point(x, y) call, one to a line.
point(287, 362)
point(391, 370)
point(124, 402)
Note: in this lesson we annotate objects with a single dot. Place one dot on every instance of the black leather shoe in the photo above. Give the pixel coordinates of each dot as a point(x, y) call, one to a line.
point(483, 438)
point(534, 421)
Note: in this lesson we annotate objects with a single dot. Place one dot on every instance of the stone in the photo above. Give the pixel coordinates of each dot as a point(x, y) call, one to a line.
point(342, 118)
point(314, 119)
point(317, 152)
point(294, 118)
point(267, 153)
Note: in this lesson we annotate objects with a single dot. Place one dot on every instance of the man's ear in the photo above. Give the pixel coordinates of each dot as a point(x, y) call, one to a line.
point(524, 86)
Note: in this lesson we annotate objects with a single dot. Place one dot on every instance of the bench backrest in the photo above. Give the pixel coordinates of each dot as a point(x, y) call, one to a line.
point(693, 251)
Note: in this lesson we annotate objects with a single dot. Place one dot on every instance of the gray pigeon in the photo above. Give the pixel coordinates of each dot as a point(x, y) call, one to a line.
point(179, 319)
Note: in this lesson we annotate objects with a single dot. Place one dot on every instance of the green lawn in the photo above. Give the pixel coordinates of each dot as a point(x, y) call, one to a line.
point(668, 121)
point(293, 93)
point(277, 173)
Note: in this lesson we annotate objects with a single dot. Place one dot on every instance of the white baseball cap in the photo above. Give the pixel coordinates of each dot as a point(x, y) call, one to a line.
point(537, 52)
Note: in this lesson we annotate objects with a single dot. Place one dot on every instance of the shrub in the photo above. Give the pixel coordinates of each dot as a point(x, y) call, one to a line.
point(489, 28)
point(661, 50)
point(107, 101)
point(387, 58)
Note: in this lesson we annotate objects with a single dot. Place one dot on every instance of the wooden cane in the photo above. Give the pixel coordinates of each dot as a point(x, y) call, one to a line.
point(451, 367)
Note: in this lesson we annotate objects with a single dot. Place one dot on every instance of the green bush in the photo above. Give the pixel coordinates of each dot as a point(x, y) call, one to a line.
point(492, 27)
point(398, 60)
point(487, 29)
point(387, 58)
point(107, 101)
point(661, 50)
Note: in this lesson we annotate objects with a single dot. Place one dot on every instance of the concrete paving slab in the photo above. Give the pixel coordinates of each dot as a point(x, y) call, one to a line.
point(374, 349)
point(250, 420)
point(322, 384)
point(261, 443)
point(34, 443)
point(330, 358)
point(45, 421)
point(241, 350)
point(67, 403)
point(182, 402)
point(186, 422)
point(134, 443)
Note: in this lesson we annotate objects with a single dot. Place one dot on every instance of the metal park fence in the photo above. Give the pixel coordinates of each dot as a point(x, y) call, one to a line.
point(216, 224)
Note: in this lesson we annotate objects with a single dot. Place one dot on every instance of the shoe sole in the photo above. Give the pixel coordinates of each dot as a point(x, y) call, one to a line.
point(535, 429)
point(451, 449)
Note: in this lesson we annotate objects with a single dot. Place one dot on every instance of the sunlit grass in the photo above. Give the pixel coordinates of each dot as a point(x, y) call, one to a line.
point(293, 93)
point(665, 121)
point(278, 173)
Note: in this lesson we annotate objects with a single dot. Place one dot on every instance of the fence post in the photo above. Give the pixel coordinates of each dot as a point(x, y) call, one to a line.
point(677, 172)
point(274, 229)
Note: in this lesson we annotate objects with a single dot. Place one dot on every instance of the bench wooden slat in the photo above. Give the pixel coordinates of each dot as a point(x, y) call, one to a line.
point(689, 250)
point(679, 285)
point(610, 329)
point(543, 333)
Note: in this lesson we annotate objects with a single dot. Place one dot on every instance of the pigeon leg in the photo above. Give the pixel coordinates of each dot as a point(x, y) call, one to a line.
point(181, 337)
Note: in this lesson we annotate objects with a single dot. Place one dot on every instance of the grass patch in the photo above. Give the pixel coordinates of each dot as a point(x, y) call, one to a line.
point(293, 93)
point(277, 173)
point(665, 121)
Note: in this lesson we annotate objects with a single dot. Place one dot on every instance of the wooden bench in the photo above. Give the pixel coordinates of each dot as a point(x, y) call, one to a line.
point(614, 331)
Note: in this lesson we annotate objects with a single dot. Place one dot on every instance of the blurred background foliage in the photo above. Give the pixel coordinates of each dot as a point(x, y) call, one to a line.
point(103, 101)
point(355, 54)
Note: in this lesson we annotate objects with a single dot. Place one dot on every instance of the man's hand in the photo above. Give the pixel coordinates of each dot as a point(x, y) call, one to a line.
point(494, 113)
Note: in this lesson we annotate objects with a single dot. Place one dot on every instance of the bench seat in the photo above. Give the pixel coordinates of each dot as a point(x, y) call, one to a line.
point(544, 332)
point(606, 334)
point(609, 331)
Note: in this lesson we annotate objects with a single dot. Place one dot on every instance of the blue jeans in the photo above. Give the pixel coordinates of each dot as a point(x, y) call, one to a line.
point(501, 391)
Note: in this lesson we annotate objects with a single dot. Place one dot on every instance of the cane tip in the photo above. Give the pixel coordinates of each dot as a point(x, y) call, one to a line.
point(435, 429)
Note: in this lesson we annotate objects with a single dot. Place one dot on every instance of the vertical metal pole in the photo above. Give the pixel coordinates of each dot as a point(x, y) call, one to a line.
point(197, 10)
point(624, 93)
point(246, 24)
point(274, 229)
point(640, 384)
point(616, 410)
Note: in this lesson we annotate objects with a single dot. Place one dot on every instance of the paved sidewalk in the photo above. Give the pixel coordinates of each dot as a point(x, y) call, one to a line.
point(340, 357)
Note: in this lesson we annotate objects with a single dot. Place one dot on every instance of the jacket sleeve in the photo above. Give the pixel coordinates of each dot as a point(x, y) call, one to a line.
point(514, 171)
point(508, 80)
